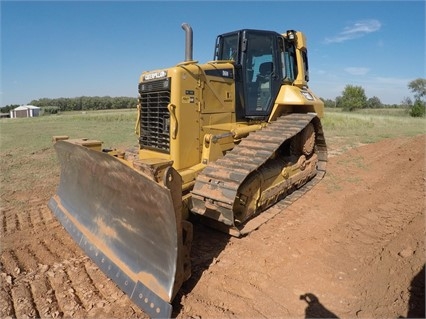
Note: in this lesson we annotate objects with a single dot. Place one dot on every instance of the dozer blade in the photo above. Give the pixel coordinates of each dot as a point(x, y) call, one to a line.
point(123, 220)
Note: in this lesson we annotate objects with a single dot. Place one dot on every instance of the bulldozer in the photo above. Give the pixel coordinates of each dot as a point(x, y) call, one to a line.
point(232, 141)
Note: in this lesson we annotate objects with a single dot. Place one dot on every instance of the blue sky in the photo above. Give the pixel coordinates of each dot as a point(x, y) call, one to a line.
point(67, 49)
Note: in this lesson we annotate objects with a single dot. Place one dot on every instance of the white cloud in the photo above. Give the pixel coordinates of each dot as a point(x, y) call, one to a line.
point(392, 81)
point(357, 70)
point(356, 30)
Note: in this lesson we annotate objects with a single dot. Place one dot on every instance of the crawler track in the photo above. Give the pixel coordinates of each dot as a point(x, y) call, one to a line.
point(219, 183)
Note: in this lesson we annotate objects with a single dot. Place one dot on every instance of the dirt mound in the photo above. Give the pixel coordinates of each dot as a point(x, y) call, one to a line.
point(352, 247)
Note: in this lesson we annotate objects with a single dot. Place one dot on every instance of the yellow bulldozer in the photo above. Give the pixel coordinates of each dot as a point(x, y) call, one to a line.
point(233, 141)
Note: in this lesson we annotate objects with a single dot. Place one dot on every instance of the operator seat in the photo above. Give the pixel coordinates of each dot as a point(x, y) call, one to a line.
point(265, 71)
point(263, 85)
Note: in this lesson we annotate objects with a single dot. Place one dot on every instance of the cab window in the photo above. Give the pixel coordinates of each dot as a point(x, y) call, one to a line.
point(228, 48)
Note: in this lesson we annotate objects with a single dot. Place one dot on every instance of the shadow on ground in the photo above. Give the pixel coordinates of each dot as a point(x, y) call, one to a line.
point(315, 308)
point(416, 303)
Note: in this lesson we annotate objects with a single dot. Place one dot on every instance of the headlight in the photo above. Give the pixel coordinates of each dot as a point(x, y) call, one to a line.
point(307, 95)
point(157, 85)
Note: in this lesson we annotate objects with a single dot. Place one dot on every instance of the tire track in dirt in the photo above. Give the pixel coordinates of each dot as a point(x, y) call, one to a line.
point(44, 296)
point(23, 301)
point(39, 283)
point(27, 258)
point(10, 223)
point(49, 249)
point(6, 304)
point(69, 301)
point(41, 215)
point(22, 220)
point(3, 223)
point(42, 252)
point(10, 262)
point(83, 286)
point(107, 290)
point(61, 244)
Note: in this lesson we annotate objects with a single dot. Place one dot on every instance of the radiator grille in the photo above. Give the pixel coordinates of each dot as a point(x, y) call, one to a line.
point(155, 119)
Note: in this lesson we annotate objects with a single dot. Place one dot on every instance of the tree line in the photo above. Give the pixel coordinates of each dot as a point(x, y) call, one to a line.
point(353, 97)
point(82, 103)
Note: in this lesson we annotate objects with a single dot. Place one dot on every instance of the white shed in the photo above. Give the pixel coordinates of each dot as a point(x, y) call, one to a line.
point(25, 111)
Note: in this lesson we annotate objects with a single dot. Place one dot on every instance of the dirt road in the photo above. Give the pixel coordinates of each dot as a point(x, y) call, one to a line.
point(353, 247)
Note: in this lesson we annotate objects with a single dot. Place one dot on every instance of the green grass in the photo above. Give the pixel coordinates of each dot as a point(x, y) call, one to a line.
point(33, 134)
point(400, 112)
point(369, 127)
point(26, 148)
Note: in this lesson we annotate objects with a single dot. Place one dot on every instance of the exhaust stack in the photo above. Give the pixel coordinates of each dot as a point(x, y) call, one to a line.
point(188, 41)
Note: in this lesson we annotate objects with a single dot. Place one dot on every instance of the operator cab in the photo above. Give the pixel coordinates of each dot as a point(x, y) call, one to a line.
point(263, 61)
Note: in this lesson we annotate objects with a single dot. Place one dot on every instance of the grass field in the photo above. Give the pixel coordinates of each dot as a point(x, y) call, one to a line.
point(370, 126)
point(26, 146)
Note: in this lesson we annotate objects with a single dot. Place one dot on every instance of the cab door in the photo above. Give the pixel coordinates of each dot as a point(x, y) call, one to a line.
point(262, 71)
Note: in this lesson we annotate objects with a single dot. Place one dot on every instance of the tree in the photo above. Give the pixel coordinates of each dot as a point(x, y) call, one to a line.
point(374, 103)
point(353, 97)
point(328, 103)
point(406, 102)
point(418, 87)
point(418, 109)
point(8, 108)
point(83, 103)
